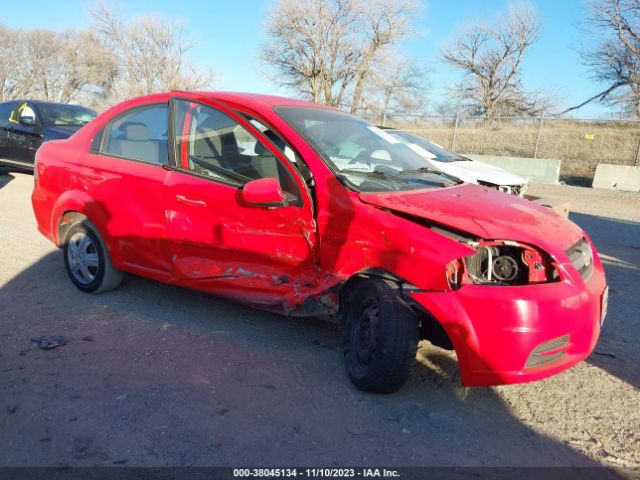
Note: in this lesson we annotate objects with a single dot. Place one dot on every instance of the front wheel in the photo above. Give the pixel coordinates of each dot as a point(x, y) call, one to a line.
point(381, 338)
point(87, 261)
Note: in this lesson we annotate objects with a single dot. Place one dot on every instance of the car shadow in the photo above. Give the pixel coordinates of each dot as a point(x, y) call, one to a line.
point(5, 177)
point(156, 375)
point(618, 243)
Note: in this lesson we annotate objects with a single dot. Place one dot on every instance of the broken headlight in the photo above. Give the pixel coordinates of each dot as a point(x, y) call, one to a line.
point(501, 263)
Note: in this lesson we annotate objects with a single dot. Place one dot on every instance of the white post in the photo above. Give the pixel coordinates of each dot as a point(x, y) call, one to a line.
point(535, 151)
point(455, 131)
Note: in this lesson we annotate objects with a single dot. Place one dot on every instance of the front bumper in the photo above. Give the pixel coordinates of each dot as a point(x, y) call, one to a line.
point(505, 335)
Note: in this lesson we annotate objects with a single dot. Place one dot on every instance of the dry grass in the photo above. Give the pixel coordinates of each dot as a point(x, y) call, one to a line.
point(581, 145)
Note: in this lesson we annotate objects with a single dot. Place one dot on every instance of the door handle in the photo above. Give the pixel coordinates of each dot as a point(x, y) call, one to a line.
point(96, 177)
point(191, 203)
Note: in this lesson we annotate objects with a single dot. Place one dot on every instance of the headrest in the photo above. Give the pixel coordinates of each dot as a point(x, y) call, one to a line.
point(136, 131)
point(260, 149)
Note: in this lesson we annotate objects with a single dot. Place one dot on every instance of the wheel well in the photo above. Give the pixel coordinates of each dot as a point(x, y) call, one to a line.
point(432, 330)
point(66, 221)
point(430, 327)
point(354, 280)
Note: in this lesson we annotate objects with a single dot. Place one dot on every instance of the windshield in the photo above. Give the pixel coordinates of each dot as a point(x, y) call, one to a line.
point(60, 114)
point(426, 148)
point(369, 158)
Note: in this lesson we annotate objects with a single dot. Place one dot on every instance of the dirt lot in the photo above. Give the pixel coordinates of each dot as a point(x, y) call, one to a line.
point(156, 375)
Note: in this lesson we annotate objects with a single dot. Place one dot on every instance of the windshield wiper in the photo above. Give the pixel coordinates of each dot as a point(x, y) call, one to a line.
point(450, 178)
point(376, 173)
point(421, 170)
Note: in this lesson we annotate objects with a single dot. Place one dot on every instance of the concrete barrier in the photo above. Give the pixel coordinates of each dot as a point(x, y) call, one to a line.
point(617, 177)
point(537, 170)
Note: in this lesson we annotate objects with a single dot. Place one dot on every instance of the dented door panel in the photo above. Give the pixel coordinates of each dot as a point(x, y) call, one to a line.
point(216, 237)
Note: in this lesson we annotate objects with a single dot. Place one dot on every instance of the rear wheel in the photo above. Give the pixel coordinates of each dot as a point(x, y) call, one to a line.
point(87, 260)
point(381, 337)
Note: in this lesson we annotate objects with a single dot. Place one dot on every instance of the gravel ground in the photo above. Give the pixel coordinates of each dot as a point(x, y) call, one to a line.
point(155, 375)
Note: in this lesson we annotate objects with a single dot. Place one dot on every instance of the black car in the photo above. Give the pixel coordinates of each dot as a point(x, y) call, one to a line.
point(26, 124)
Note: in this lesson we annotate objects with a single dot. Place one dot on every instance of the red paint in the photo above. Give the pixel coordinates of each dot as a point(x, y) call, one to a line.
point(194, 232)
point(263, 192)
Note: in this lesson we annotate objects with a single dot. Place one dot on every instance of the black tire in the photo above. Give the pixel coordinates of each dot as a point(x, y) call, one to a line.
point(87, 260)
point(381, 337)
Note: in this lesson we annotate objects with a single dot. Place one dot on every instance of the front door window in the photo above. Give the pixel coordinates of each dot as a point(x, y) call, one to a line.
point(212, 144)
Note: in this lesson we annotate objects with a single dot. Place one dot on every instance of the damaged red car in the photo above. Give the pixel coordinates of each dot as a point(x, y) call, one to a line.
point(308, 211)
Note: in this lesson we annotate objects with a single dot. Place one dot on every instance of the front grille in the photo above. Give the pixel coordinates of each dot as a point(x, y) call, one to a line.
point(581, 257)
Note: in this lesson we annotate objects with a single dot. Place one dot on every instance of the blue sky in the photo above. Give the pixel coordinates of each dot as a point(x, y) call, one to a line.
point(229, 35)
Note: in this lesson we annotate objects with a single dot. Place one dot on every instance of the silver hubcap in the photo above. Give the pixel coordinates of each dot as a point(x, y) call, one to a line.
point(83, 258)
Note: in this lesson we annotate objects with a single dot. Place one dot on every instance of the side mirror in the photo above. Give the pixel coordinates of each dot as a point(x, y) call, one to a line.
point(29, 121)
point(264, 192)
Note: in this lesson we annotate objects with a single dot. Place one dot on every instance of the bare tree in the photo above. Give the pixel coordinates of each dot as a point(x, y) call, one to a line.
point(152, 54)
point(115, 60)
point(54, 66)
point(10, 53)
point(386, 22)
point(63, 67)
point(42, 65)
point(91, 69)
point(617, 60)
point(326, 49)
point(312, 46)
point(491, 56)
point(396, 85)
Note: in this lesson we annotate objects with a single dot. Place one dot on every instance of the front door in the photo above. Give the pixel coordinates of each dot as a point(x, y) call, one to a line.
point(6, 113)
point(217, 242)
point(25, 133)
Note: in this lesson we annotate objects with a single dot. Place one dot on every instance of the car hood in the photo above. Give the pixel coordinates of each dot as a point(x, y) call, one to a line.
point(485, 213)
point(474, 171)
point(56, 132)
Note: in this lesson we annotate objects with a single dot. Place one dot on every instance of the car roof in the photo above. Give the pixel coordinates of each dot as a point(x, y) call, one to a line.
point(42, 102)
point(246, 98)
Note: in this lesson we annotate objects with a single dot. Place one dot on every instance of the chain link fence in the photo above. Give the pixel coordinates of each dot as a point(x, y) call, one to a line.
point(581, 144)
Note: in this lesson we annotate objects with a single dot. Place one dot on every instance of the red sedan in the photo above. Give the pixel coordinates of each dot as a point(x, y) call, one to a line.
point(309, 211)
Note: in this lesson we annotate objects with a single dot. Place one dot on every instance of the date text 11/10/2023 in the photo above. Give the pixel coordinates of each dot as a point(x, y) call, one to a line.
point(316, 472)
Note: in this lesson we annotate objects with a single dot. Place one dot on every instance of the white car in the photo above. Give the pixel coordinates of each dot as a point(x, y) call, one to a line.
point(470, 171)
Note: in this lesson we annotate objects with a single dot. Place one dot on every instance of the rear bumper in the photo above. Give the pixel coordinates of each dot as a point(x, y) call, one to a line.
point(42, 211)
point(505, 335)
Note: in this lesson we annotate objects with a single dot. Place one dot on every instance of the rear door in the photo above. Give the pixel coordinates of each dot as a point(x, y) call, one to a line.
point(125, 174)
point(218, 242)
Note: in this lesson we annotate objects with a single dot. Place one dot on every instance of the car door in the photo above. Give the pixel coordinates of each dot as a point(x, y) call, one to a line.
point(24, 133)
point(124, 174)
point(5, 112)
point(217, 241)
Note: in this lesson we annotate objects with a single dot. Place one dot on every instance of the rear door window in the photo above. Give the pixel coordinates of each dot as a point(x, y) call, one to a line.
point(140, 134)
